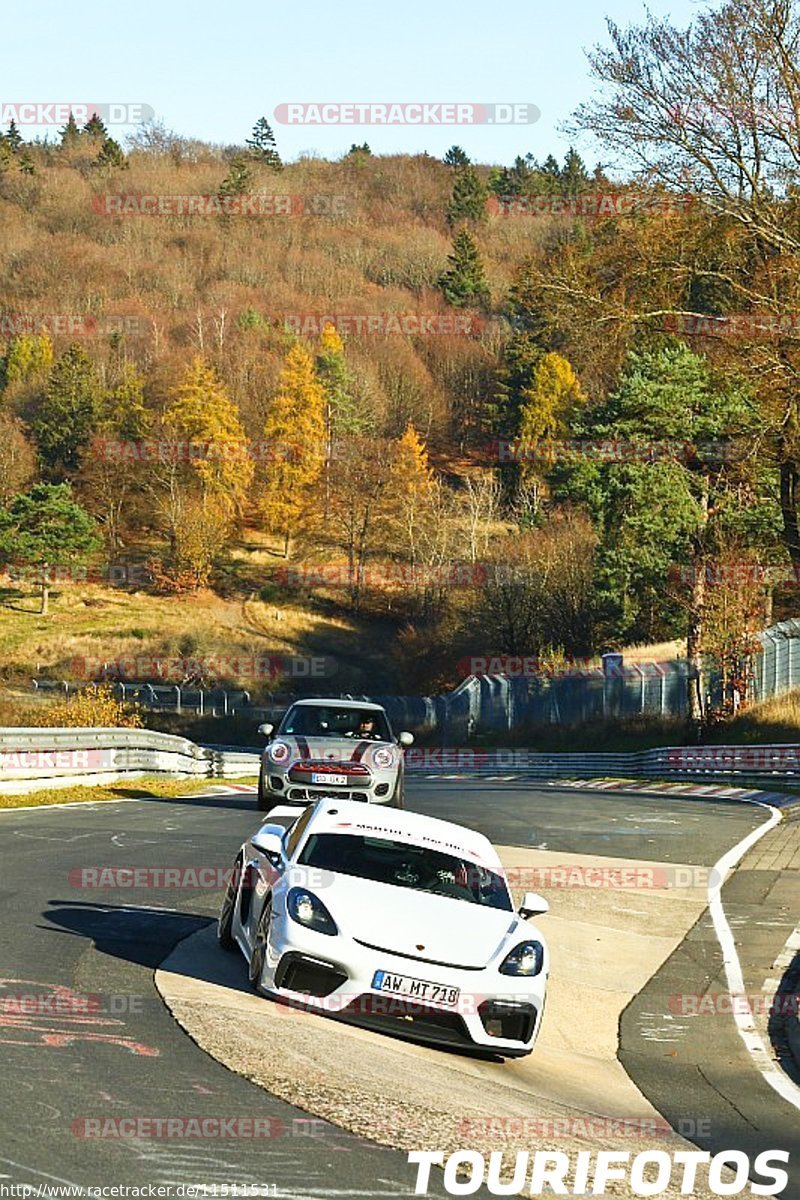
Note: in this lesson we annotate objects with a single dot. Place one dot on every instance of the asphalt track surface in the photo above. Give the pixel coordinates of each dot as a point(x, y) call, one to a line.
point(119, 1054)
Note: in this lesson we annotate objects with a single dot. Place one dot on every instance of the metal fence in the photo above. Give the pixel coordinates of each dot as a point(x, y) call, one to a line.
point(777, 668)
point(499, 703)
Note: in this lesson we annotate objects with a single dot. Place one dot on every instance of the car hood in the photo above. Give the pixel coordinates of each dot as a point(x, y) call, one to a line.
point(436, 929)
point(342, 750)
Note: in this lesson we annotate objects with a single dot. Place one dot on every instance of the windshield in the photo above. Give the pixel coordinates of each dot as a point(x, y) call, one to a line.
point(400, 865)
point(363, 724)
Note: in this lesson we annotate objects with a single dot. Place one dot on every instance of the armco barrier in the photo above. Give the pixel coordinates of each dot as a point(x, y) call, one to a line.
point(30, 755)
point(58, 754)
point(665, 762)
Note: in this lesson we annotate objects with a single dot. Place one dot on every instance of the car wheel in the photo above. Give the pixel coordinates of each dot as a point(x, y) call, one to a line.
point(258, 954)
point(225, 923)
point(264, 801)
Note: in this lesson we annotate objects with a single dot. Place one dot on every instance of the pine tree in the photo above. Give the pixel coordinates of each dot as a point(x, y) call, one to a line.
point(294, 432)
point(6, 154)
point(14, 137)
point(456, 157)
point(344, 418)
point(362, 151)
point(574, 176)
point(45, 528)
point(468, 199)
point(464, 283)
point(111, 155)
point(68, 412)
point(26, 164)
point(70, 134)
point(238, 180)
point(94, 128)
point(262, 145)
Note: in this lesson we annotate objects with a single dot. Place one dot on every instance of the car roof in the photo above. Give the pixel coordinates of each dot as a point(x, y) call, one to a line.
point(378, 820)
point(332, 702)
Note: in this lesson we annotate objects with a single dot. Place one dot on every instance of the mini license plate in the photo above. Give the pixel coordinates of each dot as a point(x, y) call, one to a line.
point(415, 989)
point(334, 780)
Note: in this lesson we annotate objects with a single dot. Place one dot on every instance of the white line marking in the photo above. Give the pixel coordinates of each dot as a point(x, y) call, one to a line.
point(32, 1171)
point(743, 1014)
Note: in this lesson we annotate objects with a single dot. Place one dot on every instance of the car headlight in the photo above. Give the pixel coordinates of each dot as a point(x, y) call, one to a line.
point(524, 959)
point(383, 757)
point(278, 752)
point(307, 909)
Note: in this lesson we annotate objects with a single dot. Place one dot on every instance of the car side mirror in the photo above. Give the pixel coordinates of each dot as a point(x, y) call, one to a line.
point(269, 840)
point(533, 905)
point(406, 739)
point(266, 730)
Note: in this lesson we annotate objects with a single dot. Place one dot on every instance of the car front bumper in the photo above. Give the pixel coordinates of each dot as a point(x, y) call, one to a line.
point(335, 975)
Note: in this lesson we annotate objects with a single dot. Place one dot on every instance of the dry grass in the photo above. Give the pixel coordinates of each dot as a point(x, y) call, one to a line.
point(775, 720)
point(143, 788)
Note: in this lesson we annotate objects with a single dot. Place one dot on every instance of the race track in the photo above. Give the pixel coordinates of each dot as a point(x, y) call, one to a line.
point(74, 1066)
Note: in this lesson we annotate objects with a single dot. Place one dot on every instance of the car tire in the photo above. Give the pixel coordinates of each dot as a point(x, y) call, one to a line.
point(398, 800)
point(255, 967)
point(225, 937)
point(264, 801)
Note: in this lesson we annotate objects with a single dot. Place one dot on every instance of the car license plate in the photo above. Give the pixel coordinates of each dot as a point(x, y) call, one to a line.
point(334, 780)
point(415, 989)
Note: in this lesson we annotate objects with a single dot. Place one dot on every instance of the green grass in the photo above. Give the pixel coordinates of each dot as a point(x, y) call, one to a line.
point(145, 788)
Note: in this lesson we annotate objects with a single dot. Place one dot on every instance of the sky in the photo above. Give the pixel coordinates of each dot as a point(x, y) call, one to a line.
point(210, 70)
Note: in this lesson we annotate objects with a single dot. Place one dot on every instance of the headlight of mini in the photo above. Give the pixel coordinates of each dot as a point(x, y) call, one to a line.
point(307, 909)
point(383, 757)
point(278, 752)
point(524, 959)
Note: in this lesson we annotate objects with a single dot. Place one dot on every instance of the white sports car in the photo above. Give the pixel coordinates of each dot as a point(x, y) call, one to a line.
point(342, 748)
point(393, 919)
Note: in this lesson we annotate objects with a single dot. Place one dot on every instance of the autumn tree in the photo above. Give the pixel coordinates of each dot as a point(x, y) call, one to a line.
point(294, 435)
point(17, 457)
point(29, 357)
point(112, 466)
point(710, 112)
point(549, 402)
point(205, 484)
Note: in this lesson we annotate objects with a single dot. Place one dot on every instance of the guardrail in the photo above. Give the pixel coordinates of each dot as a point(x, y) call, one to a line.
point(93, 755)
point(667, 761)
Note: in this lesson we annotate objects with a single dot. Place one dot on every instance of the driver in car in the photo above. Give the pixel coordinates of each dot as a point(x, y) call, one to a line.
point(365, 730)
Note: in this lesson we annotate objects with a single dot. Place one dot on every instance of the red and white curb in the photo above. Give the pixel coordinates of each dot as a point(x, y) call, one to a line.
point(713, 790)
